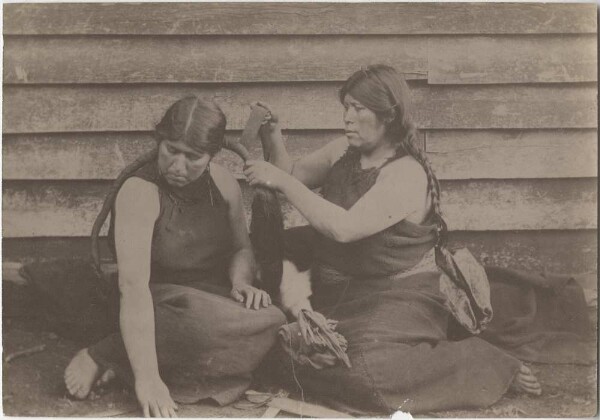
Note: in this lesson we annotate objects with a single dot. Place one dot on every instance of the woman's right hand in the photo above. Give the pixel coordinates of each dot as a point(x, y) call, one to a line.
point(270, 124)
point(154, 398)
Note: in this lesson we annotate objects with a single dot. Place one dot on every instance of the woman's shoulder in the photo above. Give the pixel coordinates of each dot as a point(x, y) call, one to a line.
point(138, 196)
point(138, 186)
point(136, 190)
point(406, 168)
point(224, 180)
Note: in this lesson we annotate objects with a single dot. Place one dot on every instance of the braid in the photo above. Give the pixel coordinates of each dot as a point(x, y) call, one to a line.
point(408, 143)
point(384, 91)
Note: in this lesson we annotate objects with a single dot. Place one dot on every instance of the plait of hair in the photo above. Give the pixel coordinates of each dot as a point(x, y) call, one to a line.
point(409, 145)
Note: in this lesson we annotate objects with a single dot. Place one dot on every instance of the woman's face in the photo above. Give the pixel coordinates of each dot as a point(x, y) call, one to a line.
point(179, 163)
point(364, 129)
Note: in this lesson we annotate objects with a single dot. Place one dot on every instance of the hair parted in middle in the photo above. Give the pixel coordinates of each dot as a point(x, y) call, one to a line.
point(383, 90)
point(198, 122)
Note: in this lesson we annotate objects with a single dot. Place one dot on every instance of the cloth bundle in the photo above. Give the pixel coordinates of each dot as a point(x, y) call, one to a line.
point(313, 341)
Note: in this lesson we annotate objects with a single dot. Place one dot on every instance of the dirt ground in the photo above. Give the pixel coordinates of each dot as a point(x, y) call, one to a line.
point(32, 386)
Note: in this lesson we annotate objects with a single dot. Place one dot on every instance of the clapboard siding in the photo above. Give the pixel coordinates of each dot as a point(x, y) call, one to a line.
point(205, 59)
point(299, 18)
point(557, 251)
point(455, 154)
point(85, 156)
point(461, 154)
point(47, 209)
point(505, 95)
point(30, 109)
point(69, 208)
point(509, 59)
point(441, 60)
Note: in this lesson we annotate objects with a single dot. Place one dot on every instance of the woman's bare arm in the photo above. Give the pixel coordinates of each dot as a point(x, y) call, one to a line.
point(311, 170)
point(137, 208)
point(242, 268)
point(400, 192)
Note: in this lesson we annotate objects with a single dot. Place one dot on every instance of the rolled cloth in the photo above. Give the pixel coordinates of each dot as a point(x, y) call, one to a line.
point(313, 341)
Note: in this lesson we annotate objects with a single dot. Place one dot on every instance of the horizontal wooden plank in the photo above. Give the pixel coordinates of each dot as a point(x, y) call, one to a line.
point(300, 106)
point(35, 209)
point(455, 154)
point(84, 156)
point(509, 59)
point(463, 154)
point(211, 59)
point(297, 18)
point(520, 204)
point(68, 208)
point(554, 250)
point(456, 60)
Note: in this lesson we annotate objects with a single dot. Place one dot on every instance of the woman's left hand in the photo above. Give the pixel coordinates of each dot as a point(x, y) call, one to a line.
point(261, 173)
point(252, 296)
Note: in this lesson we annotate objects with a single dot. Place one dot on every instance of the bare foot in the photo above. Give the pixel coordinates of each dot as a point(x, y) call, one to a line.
point(526, 382)
point(81, 374)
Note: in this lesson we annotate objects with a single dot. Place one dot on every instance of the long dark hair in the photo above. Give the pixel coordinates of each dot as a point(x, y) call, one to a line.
point(200, 123)
point(384, 91)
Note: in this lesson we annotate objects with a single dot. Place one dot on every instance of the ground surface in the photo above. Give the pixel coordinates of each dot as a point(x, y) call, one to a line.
point(32, 385)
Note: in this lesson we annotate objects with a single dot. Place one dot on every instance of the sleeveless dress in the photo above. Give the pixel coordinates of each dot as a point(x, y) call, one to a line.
point(384, 291)
point(207, 344)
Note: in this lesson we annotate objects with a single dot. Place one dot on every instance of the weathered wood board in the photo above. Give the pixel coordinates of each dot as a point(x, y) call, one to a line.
point(511, 59)
point(501, 154)
point(455, 154)
point(30, 109)
point(205, 59)
point(506, 94)
point(68, 208)
point(554, 250)
point(81, 156)
point(299, 18)
point(441, 60)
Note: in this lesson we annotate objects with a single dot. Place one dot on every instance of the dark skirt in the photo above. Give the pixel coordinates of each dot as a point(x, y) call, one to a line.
point(401, 356)
point(207, 344)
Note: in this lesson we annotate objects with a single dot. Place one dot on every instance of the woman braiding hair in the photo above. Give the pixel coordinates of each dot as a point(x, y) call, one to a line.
point(376, 230)
point(386, 93)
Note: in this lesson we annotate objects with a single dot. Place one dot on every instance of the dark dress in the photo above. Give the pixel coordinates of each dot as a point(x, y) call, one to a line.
point(207, 344)
point(385, 292)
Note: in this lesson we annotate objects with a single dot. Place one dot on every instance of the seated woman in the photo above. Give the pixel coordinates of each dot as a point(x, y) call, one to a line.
point(192, 326)
point(375, 228)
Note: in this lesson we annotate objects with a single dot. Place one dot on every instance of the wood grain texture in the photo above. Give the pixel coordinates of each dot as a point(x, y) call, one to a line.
point(208, 59)
point(520, 204)
point(85, 156)
point(511, 59)
point(68, 208)
point(30, 109)
point(557, 251)
point(502, 154)
point(298, 18)
point(455, 60)
point(455, 154)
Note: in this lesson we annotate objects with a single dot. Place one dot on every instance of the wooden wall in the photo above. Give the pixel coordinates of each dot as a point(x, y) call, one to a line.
point(506, 97)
